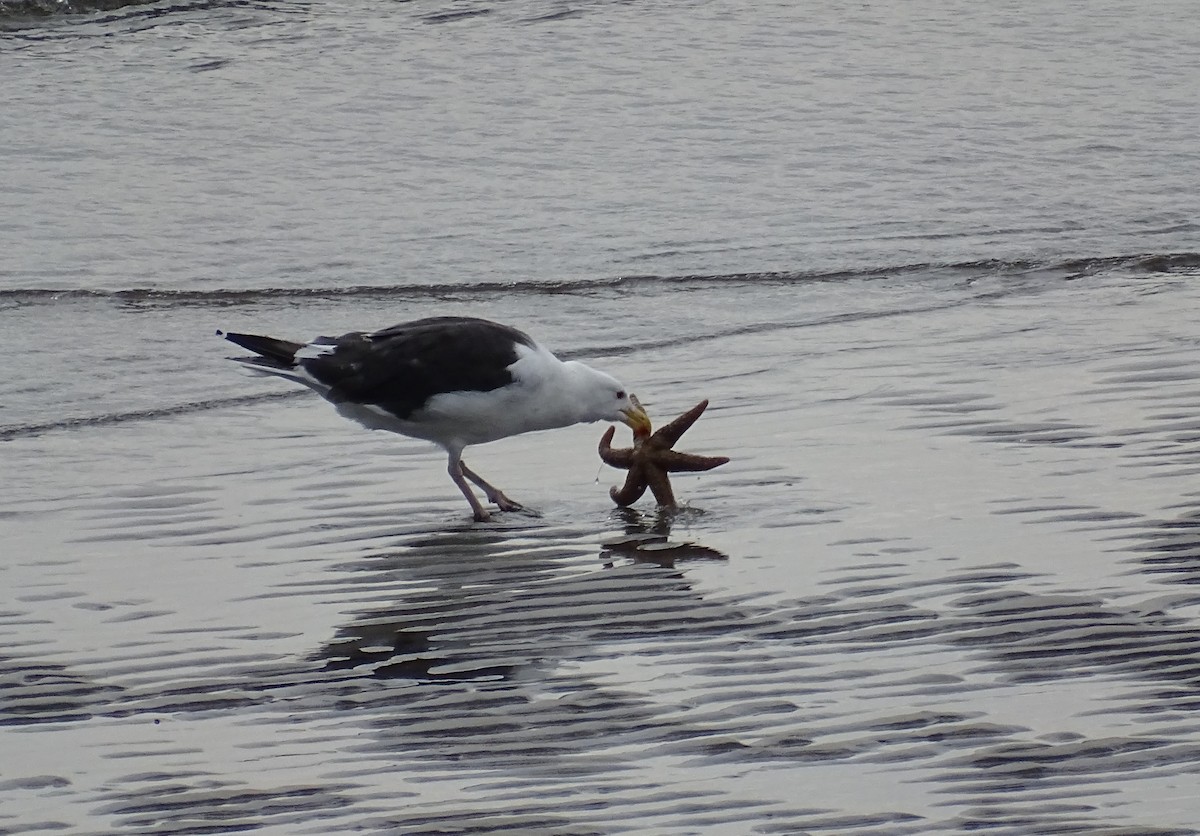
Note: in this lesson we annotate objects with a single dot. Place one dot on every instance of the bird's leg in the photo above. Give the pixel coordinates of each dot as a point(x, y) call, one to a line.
point(456, 470)
point(493, 493)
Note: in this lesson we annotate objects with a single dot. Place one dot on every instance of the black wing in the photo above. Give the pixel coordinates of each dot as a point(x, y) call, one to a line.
point(402, 367)
point(277, 354)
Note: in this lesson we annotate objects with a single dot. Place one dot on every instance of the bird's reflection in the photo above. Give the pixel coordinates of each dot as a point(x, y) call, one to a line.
point(489, 605)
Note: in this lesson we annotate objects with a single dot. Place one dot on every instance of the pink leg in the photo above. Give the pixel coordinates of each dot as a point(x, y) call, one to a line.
point(493, 493)
point(455, 469)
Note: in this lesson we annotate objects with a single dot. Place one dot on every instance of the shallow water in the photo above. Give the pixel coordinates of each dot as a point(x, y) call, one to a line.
point(936, 275)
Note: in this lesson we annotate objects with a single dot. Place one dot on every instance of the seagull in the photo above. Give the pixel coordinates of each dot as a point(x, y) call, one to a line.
point(452, 380)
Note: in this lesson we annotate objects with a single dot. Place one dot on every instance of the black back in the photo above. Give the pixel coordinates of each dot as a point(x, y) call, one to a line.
point(401, 367)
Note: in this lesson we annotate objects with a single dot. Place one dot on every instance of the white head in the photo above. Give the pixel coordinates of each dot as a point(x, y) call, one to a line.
point(600, 397)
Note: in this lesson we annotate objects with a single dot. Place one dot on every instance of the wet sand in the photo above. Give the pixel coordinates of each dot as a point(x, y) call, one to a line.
point(946, 583)
point(936, 271)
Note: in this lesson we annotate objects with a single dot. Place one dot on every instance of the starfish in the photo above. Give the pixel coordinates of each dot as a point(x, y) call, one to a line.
point(651, 459)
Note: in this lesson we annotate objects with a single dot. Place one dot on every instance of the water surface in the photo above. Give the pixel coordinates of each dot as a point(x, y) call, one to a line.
point(935, 273)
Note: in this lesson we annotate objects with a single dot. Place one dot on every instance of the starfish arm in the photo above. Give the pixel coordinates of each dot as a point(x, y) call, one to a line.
point(668, 434)
point(615, 457)
point(673, 461)
point(660, 485)
point(632, 490)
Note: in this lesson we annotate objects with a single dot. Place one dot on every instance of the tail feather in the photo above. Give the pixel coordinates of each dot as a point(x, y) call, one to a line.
point(278, 353)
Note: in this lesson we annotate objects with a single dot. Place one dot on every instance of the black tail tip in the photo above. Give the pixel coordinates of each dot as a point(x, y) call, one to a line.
point(220, 333)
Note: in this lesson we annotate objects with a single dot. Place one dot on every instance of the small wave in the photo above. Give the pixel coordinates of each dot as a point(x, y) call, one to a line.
point(452, 16)
point(27, 9)
point(222, 297)
point(18, 14)
point(1075, 268)
point(7, 433)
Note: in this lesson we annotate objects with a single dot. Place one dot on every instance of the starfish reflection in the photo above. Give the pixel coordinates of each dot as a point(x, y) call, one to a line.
point(647, 539)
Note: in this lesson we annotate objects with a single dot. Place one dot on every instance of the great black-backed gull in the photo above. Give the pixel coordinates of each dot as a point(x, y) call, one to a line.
point(451, 380)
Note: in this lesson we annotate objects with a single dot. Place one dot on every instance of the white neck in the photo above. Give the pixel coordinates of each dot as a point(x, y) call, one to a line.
point(585, 406)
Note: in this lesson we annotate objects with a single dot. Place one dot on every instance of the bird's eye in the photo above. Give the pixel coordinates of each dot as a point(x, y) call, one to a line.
point(620, 394)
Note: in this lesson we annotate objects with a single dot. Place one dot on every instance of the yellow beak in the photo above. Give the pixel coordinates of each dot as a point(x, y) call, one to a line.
point(637, 419)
